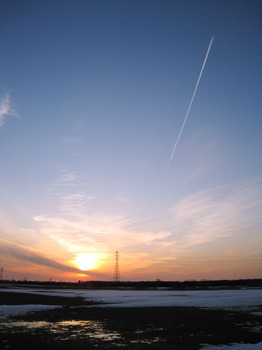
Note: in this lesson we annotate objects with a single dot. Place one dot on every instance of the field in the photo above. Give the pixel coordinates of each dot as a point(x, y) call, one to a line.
point(38, 318)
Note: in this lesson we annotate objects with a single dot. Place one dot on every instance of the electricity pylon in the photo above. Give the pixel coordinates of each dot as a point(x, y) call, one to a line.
point(116, 271)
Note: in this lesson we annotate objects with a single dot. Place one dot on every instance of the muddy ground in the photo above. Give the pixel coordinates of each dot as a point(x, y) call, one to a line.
point(78, 324)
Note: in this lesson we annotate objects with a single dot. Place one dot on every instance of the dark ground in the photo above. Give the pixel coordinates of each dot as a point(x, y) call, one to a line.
point(77, 327)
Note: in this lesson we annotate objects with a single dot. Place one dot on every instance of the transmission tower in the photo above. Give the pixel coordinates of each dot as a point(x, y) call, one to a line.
point(116, 271)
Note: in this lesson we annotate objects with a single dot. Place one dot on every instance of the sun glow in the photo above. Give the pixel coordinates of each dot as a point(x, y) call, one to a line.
point(85, 261)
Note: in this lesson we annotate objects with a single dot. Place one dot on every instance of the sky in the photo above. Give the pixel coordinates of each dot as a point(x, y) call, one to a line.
point(93, 95)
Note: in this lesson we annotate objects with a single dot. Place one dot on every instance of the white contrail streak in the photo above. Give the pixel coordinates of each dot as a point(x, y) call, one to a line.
point(189, 107)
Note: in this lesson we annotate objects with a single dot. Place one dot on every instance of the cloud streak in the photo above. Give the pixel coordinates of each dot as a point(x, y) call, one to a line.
point(228, 211)
point(24, 253)
point(5, 109)
point(189, 107)
point(78, 227)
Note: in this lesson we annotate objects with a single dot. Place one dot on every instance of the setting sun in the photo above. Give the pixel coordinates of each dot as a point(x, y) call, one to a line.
point(85, 261)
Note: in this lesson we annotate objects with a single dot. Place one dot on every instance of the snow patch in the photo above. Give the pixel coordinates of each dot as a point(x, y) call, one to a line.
point(17, 310)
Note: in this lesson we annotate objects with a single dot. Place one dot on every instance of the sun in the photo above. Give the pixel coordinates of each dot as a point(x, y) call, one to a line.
point(85, 261)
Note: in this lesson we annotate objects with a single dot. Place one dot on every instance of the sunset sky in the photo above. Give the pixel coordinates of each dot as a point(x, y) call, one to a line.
point(93, 94)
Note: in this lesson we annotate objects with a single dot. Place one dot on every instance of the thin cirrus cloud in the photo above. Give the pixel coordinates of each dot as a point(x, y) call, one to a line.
point(221, 213)
point(100, 233)
point(218, 213)
point(5, 109)
point(69, 193)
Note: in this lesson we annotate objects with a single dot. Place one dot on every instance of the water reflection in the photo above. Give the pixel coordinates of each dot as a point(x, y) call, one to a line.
point(82, 331)
point(65, 330)
point(146, 341)
point(90, 329)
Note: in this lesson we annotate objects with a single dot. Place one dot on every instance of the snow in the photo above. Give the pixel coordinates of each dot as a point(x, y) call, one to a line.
point(16, 310)
point(210, 299)
point(225, 299)
point(235, 346)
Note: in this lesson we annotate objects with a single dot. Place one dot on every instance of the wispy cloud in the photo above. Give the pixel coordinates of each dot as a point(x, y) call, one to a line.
point(101, 234)
point(217, 213)
point(97, 228)
point(24, 253)
point(80, 225)
point(229, 216)
point(71, 194)
point(5, 109)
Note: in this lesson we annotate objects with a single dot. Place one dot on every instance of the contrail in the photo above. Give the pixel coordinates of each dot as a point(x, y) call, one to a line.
point(190, 104)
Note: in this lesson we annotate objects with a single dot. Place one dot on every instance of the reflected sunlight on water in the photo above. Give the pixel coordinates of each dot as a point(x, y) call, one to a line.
point(81, 330)
point(66, 329)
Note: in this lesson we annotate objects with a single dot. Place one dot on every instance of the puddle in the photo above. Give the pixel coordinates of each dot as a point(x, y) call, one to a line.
point(65, 330)
point(147, 341)
point(77, 330)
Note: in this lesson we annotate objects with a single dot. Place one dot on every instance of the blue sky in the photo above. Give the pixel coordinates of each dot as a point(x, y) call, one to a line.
point(93, 96)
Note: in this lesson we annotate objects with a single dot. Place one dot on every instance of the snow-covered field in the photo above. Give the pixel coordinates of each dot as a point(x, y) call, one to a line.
point(210, 299)
point(248, 299)
point(241, 298)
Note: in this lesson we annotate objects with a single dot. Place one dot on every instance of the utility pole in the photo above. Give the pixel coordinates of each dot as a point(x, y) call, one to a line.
point(1, 274)
point(116, 271)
